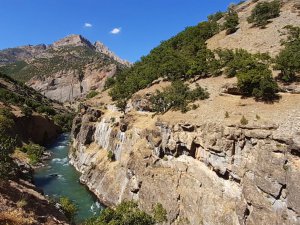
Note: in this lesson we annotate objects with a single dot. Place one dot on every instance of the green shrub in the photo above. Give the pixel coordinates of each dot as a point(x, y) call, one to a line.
point(127, 213)
point(46, 109)
point(216, 16)
point(26, 111)
point(288, 59)
point(258, 82)
point(263, 12)
point(244, 121)
point(231, 21)
point(64, 120)
point(111, 156)
point(7, 166)
point(68, 207)
point(34, 152)
point(159, 213)
point(176, 97)
point(226, 115)
point(92, 94)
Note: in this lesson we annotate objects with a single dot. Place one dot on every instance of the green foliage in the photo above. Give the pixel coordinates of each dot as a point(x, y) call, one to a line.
point(68, 207)
point(263, 12)
point(34, 152)
point(46, 109)
point(235, 61)
point(109, 82)
point(231, 21)
point(64, 120)
point(258, 82)
point(26, 111)
point(111, 156)
point(176, 97)
point(181, 57)
point(92, 94)
point(7, 144)
point(288, 59)
point(159, 213)
point(127, 213)
point(244, 121)
point(216, 16)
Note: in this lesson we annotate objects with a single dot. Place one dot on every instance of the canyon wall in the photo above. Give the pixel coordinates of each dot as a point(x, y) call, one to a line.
point(202, 173)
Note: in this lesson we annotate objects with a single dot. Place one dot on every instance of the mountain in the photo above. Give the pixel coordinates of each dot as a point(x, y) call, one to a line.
point(67, 69)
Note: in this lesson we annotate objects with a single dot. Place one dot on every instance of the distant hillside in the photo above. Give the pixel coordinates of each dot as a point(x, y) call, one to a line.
point(36, 118)
point(64, 70)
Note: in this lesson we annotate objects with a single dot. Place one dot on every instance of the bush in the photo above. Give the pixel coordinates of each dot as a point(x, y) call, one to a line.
point(288, 59)
point(64, 120)
point(46, 109)
point(263, 12)
point(92, 94)
point(111, 156)
point(7, 144)
point(126, 213)
point(159, 213)
point(176, 97)
point(244, 121)
point(34, 152)
point(68, 207)
point(258, 82)
point(231, 21)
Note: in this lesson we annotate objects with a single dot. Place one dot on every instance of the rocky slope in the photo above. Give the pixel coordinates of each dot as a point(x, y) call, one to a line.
point(255, 39)
point(22, 204)
point(202, 167)
point(64, 70)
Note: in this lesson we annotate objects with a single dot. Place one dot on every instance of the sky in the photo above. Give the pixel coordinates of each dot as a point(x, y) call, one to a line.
point(130, 28)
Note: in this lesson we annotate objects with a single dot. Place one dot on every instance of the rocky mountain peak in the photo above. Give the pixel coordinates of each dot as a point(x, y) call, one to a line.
point(73, 40)
point(100, 47)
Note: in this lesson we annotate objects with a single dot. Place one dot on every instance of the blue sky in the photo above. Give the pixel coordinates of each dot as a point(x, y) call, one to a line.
point(137, 25)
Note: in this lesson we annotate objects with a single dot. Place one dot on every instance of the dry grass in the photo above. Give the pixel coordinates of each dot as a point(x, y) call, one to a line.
point(16, 217)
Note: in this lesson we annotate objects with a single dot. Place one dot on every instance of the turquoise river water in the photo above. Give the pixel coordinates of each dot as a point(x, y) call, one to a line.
point(59, 178)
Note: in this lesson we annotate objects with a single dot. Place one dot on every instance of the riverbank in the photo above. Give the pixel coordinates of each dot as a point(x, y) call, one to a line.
point(58, 178)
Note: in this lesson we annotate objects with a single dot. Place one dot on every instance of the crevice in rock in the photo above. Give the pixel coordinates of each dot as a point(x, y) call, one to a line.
point(283, 187)
point(224, 176)
point(295, 152)
point(247, 212)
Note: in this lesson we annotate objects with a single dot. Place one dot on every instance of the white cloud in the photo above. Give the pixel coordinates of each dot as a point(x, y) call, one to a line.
point(88, 25)
point(116, 30)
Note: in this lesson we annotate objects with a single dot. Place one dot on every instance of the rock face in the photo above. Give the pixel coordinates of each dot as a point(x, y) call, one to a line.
point(65, 70)
point(202, 173)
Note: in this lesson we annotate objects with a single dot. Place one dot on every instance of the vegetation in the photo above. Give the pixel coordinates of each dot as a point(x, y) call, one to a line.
point(64, 120)
point(92, 94)
point(231, 21)
point(34, 152)
point(7, 144)
point(68, 207)
point(288, 59)
point(127, 213)
point(263, 12)
point(159, 213)
point(244, 121)
point(182, 57)
point(111, 156)
point(176, 97)
point(252, 71)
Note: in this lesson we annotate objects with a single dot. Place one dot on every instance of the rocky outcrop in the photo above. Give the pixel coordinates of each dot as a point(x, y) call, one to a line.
point(36, 128)
point(204, 173)
point(22, 204)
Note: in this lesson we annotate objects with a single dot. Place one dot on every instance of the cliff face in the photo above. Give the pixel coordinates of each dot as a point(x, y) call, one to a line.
point(201, 172)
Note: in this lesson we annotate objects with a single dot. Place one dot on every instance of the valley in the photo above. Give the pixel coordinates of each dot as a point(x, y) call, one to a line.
point(203, 130)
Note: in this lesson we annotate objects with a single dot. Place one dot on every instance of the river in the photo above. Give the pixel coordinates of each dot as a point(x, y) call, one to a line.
point(65, 180)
